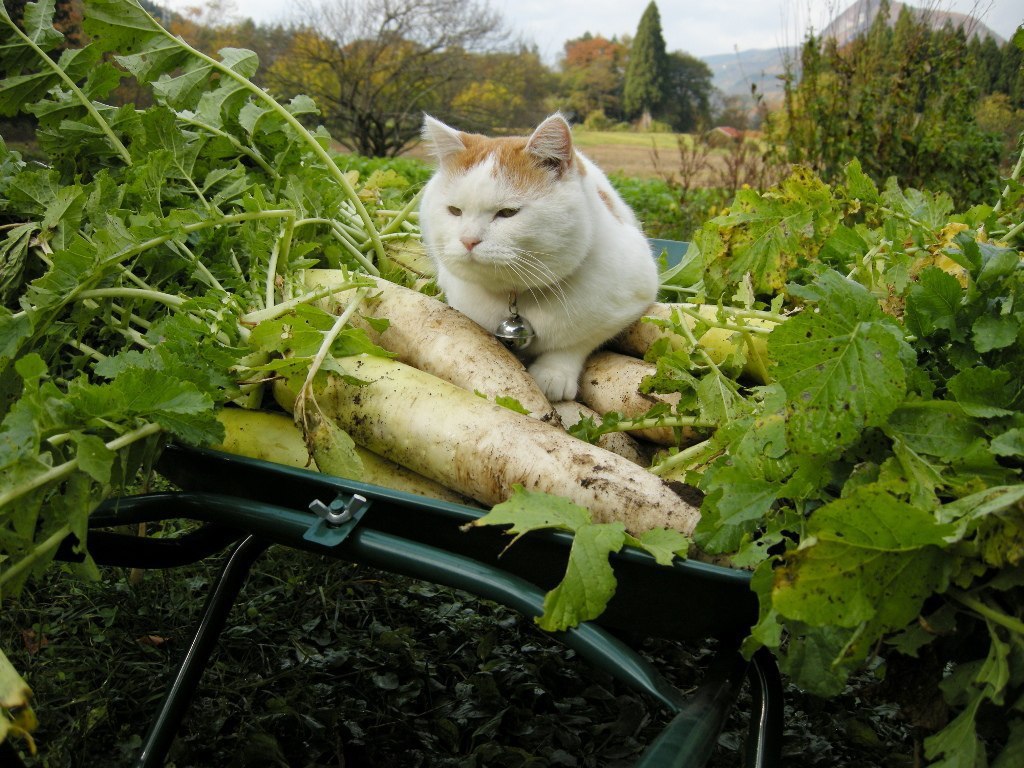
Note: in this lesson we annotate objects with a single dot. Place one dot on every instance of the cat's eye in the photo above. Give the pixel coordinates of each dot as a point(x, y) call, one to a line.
point(454, 211)
point(506, 213)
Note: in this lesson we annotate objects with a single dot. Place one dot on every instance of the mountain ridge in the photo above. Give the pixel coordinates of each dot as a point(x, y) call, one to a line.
point(734, 73)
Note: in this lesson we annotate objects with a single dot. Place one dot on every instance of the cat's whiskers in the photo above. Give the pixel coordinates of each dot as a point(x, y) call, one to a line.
point(531, 269)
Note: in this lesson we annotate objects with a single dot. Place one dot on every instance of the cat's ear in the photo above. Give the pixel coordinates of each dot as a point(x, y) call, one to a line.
point(552, 143)
point(442, 140)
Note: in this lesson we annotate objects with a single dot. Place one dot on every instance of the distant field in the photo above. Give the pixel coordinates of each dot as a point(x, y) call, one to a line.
point(631, 154)
point(642, 155)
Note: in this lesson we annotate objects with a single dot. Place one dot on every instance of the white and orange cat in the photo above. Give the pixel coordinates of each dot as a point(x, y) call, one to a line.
point(531, 221)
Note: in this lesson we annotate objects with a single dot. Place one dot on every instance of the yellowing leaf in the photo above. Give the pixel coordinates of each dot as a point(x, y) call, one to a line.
point(664, 544)
point(16, 715)
point(528, 511)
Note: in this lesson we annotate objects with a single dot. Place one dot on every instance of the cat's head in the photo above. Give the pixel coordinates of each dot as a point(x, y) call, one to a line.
point(505, 212)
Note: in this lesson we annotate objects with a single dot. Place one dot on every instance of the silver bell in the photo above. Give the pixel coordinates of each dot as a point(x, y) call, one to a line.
point(515, 332)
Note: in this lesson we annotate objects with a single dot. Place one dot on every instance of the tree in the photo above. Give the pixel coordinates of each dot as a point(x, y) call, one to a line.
point(592, 76)
point(374, 66)
point(1011, 74)
point(646, 72)
point(688, 90)
point(507, 90)
point(898, 99)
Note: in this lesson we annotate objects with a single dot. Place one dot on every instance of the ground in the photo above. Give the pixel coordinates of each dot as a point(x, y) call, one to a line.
point(332, 664)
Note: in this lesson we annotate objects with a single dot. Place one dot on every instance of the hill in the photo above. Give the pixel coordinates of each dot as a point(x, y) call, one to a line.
point(734, 73)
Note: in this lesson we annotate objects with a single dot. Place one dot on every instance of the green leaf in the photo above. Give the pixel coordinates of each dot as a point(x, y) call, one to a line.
point(38, 24)
point(121, 23)
point(1013, 753)
point(970, 510)
point(770, 233)
point(934, 427)
point(997, 262)
point(868, 557)
point(859, 185)
point(840, 365)
point(812, 659)
point(512, 404)
point(158, 54)
point(958, 744)
point(94, 458)
point(589, 581)
point(13, 257)
point(994, 332)
point(334, 451)
point(14, 330)
point(872, 518)
point(933, 303)
point(1010, 443)
point(735, 504)
point(527, 511)
point(178, 406)
point(834, 584)
point(664, 544)
point(984, 392)
point(22, 47)
point(184, 90)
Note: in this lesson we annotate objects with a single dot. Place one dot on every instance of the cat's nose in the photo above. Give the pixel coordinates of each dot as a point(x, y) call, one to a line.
point(470, 242)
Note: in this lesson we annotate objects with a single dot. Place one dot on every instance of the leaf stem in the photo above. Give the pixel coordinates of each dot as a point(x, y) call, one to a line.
point(329, 337)
point(255, 156)
point(407, 210)
point(353, 249)
point(681, 458)
point(298, 127)
point(61, 471)
point(987, 612)
point(132, 293)
point(1013, 177)
point(85, 101)
point(626, 425)
point(269, 313)
point(38, 552)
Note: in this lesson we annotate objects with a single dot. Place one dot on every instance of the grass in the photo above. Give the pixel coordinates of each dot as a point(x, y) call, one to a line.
point(588, 139)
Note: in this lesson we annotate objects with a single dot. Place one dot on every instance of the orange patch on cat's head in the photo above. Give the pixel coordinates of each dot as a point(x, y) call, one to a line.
point(525, 171)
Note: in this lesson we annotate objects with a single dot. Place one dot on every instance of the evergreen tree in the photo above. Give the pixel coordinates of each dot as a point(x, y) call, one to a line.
point(901, 100)
point(647, 70)
point(1011, 81)
point(688, 90)
point(990, 61)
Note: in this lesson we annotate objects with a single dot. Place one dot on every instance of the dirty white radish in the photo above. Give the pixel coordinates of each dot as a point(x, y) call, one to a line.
point(483, 450)
point(428, 334)
point(273, 436)
point(719, 343)
point(611, 382)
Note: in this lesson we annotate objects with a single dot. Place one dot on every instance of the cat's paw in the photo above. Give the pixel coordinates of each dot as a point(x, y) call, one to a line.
point(558, 379)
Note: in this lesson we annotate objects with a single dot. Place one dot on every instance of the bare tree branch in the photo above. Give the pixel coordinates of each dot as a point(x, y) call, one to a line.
point(375, 66)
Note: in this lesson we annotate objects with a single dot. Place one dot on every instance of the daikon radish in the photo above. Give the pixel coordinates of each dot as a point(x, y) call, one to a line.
point(611, 382)
point(719, 343)
point(275, 437)
point(428, 334)
point(572, 412)
point(483, 450)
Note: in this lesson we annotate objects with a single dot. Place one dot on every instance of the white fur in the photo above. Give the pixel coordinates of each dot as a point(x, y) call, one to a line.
point(582, 273)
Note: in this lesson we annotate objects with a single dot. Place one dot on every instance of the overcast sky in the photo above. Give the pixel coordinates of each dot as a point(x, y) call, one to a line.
point(699, 27)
